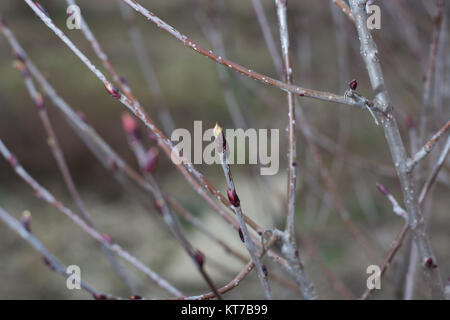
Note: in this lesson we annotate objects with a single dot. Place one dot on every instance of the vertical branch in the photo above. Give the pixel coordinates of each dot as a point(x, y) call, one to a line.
point(427, 94)
point(222, 149)
point(369, 53)
point(290, 246)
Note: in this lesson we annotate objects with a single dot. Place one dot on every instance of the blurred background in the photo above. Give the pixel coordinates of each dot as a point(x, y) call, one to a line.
point(325, 56)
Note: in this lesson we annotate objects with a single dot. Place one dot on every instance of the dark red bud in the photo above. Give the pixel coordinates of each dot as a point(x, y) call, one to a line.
point(264, 268)
point(99, 296)
point(135, 297)
point(353, 84)
point(40, 7)
point(152, 159)
point(429, 263)
point(112, 90)
point(26, 220)
point(48, 263)
point(107, 238)
point(199, 258)
point(241, 235)
point(233, 197)
point(382, 189)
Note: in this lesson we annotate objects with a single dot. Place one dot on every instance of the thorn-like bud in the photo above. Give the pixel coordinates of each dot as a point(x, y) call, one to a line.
point(107, 238)
point(429, 263)
point(130, 125)
point(40, 7)
point(233, 197)
point(135, 297)
point(112, 90)
point(26, 220)
point(241, 235)
point(152, 160)
point(48, 263)
point(382, 189)
point(353, 84)
point(12, 161)
point(264, 268)
point(199, 258)
point(99, 296)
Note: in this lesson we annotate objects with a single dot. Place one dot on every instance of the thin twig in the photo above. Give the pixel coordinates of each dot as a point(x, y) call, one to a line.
point(222, 149)
point(426, 149)
point(290, 246)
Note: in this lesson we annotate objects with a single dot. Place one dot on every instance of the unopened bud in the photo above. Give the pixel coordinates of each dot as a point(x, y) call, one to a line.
point(39, 101)
point(382, 189)
point(26, 220)
point(199, 258)
point(112, 90)
point(130, 125)
point(135, 297)
point(241, 235)
point(233, 197)
point(99, 296)
point(353, 84)
point(40, 7)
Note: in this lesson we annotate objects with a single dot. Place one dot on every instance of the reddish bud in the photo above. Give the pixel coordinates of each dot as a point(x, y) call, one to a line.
point(353, 84)
point(107, 238)
point(135, 297)
point(233, 197)
point(264, 268)
point(382, 189)
point(130, 125)
point(410, 122)
point(112, 90)
point(152, 159)
point(26, 220)
point(199, 258)
point(99, 296)
point(429, 263)
point(12, 161)
point(40, 7)
point(241, 235)
point(48, 263)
